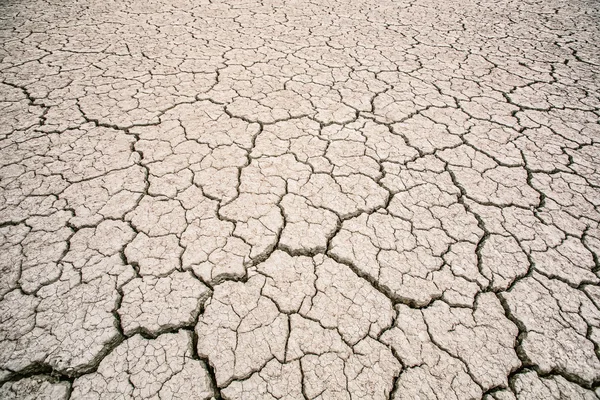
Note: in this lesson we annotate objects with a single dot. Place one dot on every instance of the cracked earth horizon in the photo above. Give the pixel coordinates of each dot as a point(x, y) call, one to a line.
point(283, 199)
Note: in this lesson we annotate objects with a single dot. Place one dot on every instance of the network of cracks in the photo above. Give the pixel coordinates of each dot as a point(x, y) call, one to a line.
point(283, 199)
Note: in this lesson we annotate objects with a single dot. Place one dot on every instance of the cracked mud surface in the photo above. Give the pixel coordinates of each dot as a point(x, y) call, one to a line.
point(300, 200)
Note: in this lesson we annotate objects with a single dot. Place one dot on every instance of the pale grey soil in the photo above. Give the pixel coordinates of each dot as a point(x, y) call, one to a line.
point(299, 200)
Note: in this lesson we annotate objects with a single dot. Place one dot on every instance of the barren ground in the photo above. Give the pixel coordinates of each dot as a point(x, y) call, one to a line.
point(299, 199)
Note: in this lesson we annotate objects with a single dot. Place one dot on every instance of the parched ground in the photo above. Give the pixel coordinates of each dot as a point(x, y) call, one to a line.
point(285, 199)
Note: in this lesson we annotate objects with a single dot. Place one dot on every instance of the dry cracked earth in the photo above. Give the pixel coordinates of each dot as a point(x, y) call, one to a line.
point(300, 200)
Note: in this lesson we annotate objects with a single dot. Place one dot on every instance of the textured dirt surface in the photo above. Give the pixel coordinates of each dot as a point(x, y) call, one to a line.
point(300, 199)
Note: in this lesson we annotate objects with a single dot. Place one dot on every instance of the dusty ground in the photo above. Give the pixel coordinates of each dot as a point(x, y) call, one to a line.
point(299, 200)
